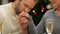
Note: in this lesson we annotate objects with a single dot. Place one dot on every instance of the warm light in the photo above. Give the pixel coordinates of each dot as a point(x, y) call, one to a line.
point(42, 7)
point(33, 11)
point(48, 6)
point(42, 10)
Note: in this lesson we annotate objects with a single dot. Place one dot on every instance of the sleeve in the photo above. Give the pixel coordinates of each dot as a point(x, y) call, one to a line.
point(31, 27)
point(1, 15)
point(1, 22)
point(1, 19)
point(41, 26)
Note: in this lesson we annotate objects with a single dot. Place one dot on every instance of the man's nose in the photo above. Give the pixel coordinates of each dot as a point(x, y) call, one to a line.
point(27, 10)
point(50, 0)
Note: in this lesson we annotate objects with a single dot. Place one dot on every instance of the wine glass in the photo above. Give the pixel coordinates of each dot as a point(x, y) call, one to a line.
point(1, 22)
point(0, 27)
point(49, 26)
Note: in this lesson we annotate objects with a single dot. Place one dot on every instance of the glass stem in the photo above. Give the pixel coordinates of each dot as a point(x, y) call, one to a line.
point(49, 33)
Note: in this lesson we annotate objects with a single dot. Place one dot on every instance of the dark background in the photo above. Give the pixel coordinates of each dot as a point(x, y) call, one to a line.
point(0, 2)
point(39, 14)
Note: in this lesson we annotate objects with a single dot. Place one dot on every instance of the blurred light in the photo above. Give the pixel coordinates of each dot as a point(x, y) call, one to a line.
point(42, 10)
point(34, 12)
point(42, 7)
point(48, 6)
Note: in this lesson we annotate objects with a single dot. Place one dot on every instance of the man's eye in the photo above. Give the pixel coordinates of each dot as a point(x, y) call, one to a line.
point(26, 5)
point(30, 8)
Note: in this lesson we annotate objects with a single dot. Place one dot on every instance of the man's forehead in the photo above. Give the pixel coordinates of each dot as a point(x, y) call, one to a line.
point(30, 2)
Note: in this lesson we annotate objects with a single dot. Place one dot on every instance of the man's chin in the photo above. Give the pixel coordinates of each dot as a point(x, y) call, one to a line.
point(53, 6)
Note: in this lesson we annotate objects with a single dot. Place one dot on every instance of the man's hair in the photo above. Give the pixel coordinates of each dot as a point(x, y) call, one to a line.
point(11, 0)
point(14, 0)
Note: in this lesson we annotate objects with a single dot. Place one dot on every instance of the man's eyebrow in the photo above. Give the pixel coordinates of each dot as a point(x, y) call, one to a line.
point(28, 6)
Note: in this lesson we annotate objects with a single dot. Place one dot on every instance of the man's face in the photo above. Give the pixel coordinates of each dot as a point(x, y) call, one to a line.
point(55, 3)
point(26, 5)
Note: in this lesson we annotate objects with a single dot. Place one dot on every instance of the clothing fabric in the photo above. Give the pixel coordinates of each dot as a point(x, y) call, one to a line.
point(9, 20)
point(50, 14)
point(32, 28)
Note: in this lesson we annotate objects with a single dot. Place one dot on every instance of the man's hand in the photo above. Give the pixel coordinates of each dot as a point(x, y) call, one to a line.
point(24, 14)
point(23, 20)
point(24, 23)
